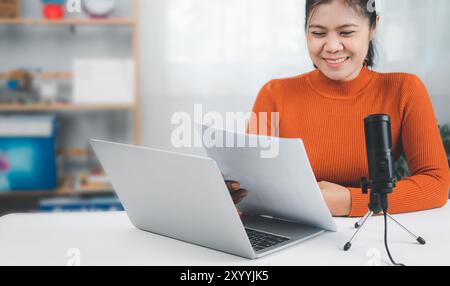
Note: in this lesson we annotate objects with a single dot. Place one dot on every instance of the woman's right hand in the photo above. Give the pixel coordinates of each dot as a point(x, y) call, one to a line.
point(237, 194)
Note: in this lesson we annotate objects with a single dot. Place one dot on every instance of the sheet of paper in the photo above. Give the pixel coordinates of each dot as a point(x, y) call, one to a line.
point(283, 186)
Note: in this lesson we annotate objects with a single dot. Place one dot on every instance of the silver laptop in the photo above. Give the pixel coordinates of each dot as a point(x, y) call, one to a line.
point(185, 197)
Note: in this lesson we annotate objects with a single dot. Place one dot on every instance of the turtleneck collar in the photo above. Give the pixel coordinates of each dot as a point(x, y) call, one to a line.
point(340, 89)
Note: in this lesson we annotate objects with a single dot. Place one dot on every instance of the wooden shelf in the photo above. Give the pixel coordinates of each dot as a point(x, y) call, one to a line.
point(69, 22)
point(66, 188)
point(40, 107)
point(57, 192)
point(55, 75)
point(74, 152)
point(45, 75)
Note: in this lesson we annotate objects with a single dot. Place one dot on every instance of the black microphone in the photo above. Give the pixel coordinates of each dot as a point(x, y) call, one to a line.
point(377, 128)
point(382, 181)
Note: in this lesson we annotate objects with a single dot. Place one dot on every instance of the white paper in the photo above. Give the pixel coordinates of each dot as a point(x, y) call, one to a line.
point(103, 81)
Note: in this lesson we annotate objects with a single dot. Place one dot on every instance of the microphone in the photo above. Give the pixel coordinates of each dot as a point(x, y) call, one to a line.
point(378, 135)
point(382, 181)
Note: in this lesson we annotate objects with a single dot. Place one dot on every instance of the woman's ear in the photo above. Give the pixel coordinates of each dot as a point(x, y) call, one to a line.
point(374, 30)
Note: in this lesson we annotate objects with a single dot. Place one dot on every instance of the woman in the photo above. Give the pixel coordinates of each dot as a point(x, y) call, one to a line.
point(327, 107)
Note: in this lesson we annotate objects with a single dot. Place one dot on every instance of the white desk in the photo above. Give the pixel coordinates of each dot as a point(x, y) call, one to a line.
point(110, 239)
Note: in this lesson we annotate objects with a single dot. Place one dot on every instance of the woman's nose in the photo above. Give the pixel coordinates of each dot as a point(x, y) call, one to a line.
point(333, 45)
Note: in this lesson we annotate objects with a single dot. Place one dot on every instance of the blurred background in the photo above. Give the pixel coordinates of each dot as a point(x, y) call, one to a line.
point(119, 70)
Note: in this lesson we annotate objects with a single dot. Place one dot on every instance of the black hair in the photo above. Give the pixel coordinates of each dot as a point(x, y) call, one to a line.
point(365, 8)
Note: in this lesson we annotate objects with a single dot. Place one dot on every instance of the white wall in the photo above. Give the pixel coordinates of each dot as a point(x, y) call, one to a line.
point(220, 52)
point(217, 53)
point(414, 38)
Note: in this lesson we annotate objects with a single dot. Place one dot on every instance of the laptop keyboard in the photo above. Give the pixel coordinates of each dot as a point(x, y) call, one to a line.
point(261, 240)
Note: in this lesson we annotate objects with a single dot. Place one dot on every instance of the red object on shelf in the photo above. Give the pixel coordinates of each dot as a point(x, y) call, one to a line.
point(4, 164)
point(53, 11)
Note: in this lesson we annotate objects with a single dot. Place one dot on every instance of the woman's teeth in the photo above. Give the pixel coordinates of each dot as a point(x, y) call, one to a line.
point(337, 61)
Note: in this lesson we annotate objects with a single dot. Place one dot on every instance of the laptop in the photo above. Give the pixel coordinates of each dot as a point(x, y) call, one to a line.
point(185, 197)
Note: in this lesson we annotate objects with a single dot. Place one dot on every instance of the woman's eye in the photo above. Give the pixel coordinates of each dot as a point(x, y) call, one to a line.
point(318, 34)
point(346, 34)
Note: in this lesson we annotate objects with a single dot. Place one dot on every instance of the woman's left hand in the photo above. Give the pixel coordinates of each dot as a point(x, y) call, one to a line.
point(337, 197)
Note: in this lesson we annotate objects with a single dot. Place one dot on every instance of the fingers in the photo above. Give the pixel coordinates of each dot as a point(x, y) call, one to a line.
point(233, 185)
point(239, 212)
point(238, 195)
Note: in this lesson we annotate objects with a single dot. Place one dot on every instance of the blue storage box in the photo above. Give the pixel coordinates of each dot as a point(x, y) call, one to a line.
point(80, 205)
point(27, 153)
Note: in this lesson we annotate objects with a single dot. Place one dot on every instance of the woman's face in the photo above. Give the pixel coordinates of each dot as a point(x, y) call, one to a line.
point(338, 40)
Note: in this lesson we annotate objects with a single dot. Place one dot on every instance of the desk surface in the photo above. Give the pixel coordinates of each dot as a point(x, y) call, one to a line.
point(110, 239)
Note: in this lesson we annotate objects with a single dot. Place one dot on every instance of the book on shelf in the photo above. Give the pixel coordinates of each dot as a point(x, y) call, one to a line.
point(92, 181)
point(27, 153)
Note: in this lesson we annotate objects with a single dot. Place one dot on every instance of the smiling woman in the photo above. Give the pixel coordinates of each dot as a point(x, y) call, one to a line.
point(339, 45)
point(327, 106)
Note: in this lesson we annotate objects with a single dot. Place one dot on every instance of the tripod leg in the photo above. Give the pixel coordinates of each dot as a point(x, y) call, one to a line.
point(363, 219)
point(417, 238)
point(349, 244)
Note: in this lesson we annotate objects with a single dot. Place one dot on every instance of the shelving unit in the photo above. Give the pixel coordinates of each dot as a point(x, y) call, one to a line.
point(48, 75)
point(66, 187)
point(69, 21)
point(50, 107)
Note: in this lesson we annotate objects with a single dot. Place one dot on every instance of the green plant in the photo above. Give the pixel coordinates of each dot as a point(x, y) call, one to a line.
point(401, 165)
point(445, 135)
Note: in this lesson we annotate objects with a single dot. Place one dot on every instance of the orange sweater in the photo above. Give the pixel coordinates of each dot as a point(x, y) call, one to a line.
point(329, 116)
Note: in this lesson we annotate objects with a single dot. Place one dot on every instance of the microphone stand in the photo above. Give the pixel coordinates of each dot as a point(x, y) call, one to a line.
point(378, 203)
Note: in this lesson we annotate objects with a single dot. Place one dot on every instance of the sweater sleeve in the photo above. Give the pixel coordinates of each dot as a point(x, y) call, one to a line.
point(427, 186)
point(266, 114)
